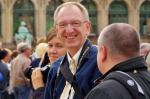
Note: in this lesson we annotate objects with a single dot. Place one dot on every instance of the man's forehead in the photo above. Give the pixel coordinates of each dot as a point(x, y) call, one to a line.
point(68, 8)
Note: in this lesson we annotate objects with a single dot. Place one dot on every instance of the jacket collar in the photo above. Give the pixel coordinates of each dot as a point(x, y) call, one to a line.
point(84, 52)
point(137, 63)
point(84, 55)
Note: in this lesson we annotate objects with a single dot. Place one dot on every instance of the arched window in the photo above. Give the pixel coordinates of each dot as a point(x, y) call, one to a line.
point(52, 5)
point(118, 12)
point(0, 21)
point(145, 18)
point(91, 7)
point(23, 12)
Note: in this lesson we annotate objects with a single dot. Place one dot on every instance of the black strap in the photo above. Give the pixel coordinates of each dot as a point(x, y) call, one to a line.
point(124, 79)
point(146, 55)
point(65, 71)
point(144, 81)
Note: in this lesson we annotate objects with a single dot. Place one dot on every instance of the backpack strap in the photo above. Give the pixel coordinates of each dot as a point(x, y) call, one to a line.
point(65, 71)
point(144, 81)
point(128, 82)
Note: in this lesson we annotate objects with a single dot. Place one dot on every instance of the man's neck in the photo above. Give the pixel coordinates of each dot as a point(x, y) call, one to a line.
point(113, 61)
point(72, 51)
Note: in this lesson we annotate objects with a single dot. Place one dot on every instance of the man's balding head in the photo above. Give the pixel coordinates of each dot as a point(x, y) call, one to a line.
point(117, 42)
point(120, 39)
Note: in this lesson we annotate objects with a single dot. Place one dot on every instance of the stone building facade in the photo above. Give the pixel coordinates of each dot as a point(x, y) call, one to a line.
point(106, 13)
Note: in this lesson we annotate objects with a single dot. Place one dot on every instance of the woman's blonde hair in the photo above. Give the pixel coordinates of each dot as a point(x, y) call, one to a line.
point(41, 49)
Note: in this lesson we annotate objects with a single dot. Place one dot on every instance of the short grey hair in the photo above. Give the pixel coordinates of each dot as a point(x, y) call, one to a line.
point(77, 4)
point(145, 46)
point(21, 47)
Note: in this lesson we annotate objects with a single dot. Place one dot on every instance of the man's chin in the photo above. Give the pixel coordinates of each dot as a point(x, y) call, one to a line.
point(71, 45)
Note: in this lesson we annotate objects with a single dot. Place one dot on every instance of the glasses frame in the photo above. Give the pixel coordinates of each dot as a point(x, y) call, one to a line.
point(74, 24)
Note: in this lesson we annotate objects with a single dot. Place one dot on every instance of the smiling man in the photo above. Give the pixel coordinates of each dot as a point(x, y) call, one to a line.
point(72, 76)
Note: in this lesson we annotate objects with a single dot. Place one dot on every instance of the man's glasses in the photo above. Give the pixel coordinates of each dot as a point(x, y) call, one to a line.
point(72, 23)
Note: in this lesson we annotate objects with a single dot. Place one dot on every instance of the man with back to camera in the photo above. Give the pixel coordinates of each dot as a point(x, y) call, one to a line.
point(119, 54)
point(72, 76)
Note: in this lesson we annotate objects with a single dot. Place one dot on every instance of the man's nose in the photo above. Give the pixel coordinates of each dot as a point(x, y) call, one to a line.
point(69, 28)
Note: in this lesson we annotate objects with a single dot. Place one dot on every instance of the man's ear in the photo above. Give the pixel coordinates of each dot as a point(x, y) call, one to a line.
point(88, 28)
point(103, 53)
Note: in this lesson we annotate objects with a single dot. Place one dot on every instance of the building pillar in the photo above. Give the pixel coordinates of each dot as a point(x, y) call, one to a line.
point(40, 22)
point(134, 19)
point(102, 19)
point(7, 30)
point(102, 14)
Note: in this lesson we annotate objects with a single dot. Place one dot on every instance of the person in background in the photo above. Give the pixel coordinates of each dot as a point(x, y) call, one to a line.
point(144, 49)
point(55, 50)
point(145, 52)
point(1, 77)
point(125, 74)
point(18, 82)
point(14, 54)
point(38, 41)
point(4, 82)
point(7, 58)
point(40, 50)
point(72, 76)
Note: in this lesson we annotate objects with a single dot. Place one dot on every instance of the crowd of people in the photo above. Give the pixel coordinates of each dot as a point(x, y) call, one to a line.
point(68, 66)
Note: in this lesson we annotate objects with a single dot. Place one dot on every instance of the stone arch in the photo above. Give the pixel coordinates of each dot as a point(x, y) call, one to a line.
point(33, 2)
point(127, 2)
point(118, 15)
point(139, 4)
point(145, 18)
point(96, 3)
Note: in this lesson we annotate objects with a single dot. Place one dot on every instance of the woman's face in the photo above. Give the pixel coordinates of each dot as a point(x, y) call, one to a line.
point(56, 49)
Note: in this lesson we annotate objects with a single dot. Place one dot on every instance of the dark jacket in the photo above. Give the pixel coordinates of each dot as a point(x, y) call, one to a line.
point(5, 73)
point(35, 63)
point(85, 75)
point(112, 89)
point(38, 93)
